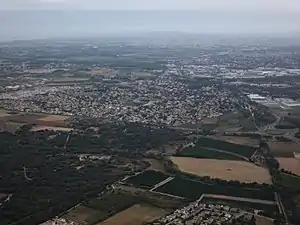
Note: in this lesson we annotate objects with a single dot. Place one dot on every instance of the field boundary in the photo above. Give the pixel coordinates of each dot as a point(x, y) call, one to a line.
point(239, 199)
point(229, 153)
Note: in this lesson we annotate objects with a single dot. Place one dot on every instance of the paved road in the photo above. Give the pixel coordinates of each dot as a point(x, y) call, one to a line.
point(278, 198)
point(162, 183)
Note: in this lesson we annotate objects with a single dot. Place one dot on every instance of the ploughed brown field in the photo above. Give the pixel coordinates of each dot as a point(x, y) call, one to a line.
point(223, 169)
point(33, 118)
point(290, 164)
point(284, 149)
point(135, 215)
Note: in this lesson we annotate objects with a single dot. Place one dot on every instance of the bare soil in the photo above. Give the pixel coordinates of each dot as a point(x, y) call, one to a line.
point(284, 149)
point(223, 169)
point(290, 164)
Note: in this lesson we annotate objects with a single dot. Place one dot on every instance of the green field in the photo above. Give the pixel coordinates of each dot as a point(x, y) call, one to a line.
point(242, 150)
point(199, 152)
point(147, 179)
point(192, 189)
point(289, 181)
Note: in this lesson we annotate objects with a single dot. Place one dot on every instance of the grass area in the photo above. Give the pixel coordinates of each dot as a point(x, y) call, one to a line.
point(83, 215)
point(226, 146)
point(147, 179)
point(193, 189)
point(100, 209)
point(199, 152)
point(289, 181)
point(135, 215)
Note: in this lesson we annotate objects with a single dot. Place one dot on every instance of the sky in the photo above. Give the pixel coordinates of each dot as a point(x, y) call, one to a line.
point(243, 5)
point(28, 19)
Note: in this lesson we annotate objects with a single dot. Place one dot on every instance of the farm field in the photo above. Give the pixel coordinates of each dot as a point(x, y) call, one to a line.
point(22, 118)
point(52, 118)
point(199, 152)
point(41, 127)
point(284, 149)
point(33, 118)
point(289, 164)
point(223, 169)
point(10, 126)
point(263, 221)
point(147, 179)
point(289, 181)
point(194, 189)
point(248, 141)
point(4, 113)
point(99, 209)
point(135, 215)
point(156, 164)
point(83, 215)
point(242, 150)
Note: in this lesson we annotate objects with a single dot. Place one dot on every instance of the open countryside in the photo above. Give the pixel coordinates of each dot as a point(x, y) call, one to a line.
point(223, 169)
point(41, 127)
point(135, 215)
point(290, 164)
point(212, 144)
point(248, 141)
point(284, 149)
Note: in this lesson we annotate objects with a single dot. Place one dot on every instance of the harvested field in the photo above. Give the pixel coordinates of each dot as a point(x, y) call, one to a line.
point(38, 119)
point(223, 169)
point(290, 164)
point(82, 215)
point(284, 149)
point(22, 118)
point(52, 118)
point(40, 127)
point(252, 142)
point(135, 215)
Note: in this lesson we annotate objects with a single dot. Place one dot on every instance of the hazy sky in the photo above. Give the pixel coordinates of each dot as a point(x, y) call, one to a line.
point(57, 18)
point(244, 5)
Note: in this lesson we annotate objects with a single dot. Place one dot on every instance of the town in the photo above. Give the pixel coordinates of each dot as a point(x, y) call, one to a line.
point(101, 133)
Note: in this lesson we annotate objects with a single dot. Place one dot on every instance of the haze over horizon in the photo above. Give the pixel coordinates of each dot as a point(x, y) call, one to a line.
point(80, 18)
